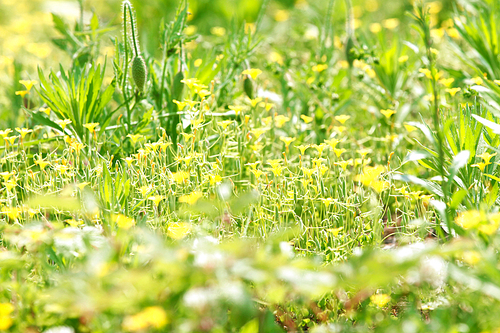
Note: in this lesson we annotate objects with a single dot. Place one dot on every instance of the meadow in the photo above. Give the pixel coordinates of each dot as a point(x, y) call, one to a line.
point(249, 166)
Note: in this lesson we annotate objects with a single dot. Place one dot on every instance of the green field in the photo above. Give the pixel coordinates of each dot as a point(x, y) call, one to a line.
point(249, 166)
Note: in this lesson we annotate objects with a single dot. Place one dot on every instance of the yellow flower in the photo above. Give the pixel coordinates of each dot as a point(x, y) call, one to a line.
point(156, 199)
point(190, 199)
point(380, 300)
point(471, 257)
point(41, 163)
point(342, 118)
point(124, 222)
point(388, 113)
point(6, 175)
point(344, 164)
point(447, 82)
point(135, 137)
point(190, 82)
point(180, 105)
point(45, 110)
point(91, 126)
point(326, 201)
point(5, 132)
point(6, 309)
point(81, 186)
point(332, 142)
point(391, 23)
point(203, 93)
point(403, 59)
point(187, 136)
point(5, 322)
point(409, 128)
point(338, 151)
point(477, 80)
point(369, 175)
point(257, 173)
point(281, 15)
point(22, 93)
point(61, 169)
point(375, 27)
point(427, 72)
point(178, 230)
point(486, 157)
point(280, 120)
point(470, 219)
point(218, 31)
point(63, 123)
point(224, 124)
point(128, 160)
point(10, 185)
point(481, 165)
point(214, 179)
point(257, 132)
point(11, 139)
point(145, 190)
point(287, 140)
point(152, 317)
point(12, 212)
point(335, 231)
point(306, 119)
point(180, 176)
point(236, 108)
point(452, 91)
point(255, 101)
point(319, 68)
point(28, 84)
point(253, 72)
point(198, 62)
point(319, 148)
point(302, 149)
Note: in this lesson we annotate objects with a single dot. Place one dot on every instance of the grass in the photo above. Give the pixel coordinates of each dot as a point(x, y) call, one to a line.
point(289, 174)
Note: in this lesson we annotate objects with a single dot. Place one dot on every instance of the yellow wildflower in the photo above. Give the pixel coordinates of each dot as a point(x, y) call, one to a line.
point(28, 84)
point(452, 91)
point(338, 151)
point(253, 72)
point(388, 113)
point(380, 300)
point(486, 157)
point(191, 198)
point(280, 120)
point(180, 105)
point(180, 176)
point(342, 118)
point(91, 126)
point(306, 119)
point(447, 82)
point(178, 230)
point(12, 212)
point(5, 132)
point(319, 68)
point(477, 80)
point(124, 222)
point(287, 140)
point(45, 110)
point(156, 199)
point(236, 108)
point(63, 123)
point(22, 93)
point(135, 137)
point(470, 219)
point(481, 165)
point(391, 23)
point(152, 317)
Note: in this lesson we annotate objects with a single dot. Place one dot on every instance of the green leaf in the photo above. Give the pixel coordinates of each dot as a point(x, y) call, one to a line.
point(457, 198)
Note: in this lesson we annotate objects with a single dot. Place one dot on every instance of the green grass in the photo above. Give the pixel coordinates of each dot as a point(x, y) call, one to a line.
point(287, 174)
